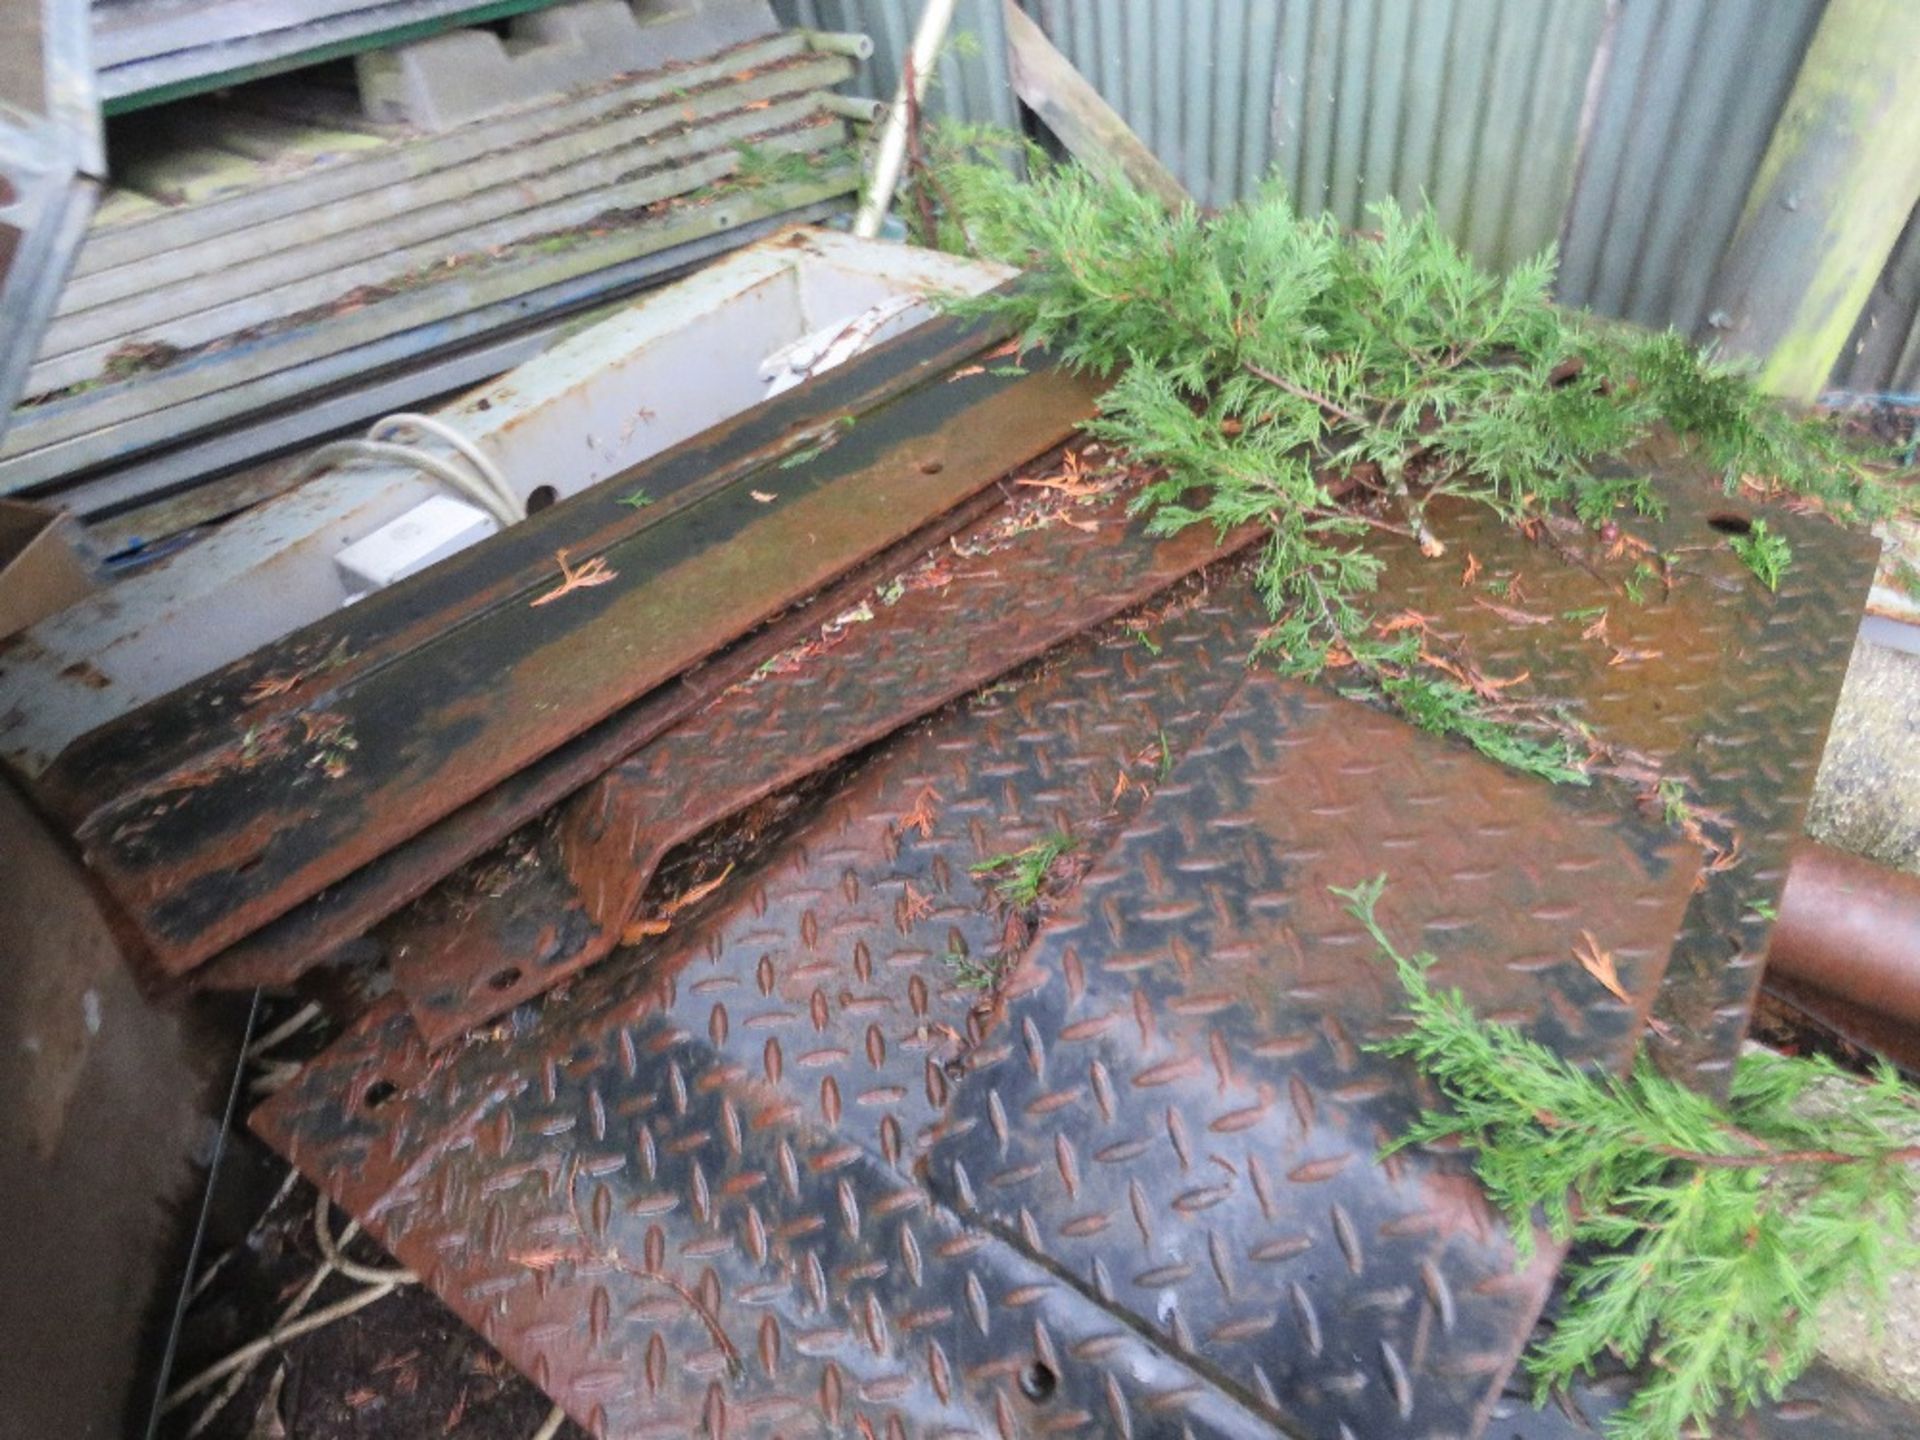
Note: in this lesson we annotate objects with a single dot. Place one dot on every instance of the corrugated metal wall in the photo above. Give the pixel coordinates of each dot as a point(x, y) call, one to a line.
point(1687, 95)
point(1474, 103)
point(1629, 130)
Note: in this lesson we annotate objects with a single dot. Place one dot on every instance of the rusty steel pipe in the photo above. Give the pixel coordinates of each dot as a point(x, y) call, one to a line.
point(1850, 929)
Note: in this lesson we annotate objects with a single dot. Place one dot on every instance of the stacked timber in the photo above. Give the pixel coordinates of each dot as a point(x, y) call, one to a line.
point(266, 248)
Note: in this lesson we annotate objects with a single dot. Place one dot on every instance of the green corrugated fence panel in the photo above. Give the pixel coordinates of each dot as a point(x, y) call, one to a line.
point(1626, 130)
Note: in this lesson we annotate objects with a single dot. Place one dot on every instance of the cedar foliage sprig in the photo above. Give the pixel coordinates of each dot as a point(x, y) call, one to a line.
point(1707, 1236)
point(1272, 368)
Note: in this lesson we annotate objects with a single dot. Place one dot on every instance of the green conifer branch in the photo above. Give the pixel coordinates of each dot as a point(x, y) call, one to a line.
point(1271, 368)
point(1706, 1237)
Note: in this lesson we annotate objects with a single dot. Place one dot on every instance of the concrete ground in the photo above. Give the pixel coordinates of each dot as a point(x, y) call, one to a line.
point(1867, 796)
point(1867, 800)
point(1881, 1349)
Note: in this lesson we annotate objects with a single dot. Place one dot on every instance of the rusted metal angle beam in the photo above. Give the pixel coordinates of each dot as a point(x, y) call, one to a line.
point(732, 1113)
point(971, 618)
point(283, 950)
point(277, 808)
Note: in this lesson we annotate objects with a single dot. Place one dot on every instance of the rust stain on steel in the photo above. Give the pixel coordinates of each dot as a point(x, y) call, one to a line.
point(170, 731)
point(1722, 684)
point(280, 952)
point(991, 613)
point(1180, 1100)
point(686, 1197)
point(265, 817)
point(693, 1191)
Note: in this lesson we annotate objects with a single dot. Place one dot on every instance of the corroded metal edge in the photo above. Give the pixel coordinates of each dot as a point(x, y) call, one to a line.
point(281, 808)
point(281, 951)
point(994, 604)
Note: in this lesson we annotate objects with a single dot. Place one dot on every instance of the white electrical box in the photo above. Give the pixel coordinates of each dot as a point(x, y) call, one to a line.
point(430, 531)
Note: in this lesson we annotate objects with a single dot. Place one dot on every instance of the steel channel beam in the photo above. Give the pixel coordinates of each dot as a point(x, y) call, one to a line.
point(211, 811)
point(989, 614)
point(280, 952)
point(764, 1085)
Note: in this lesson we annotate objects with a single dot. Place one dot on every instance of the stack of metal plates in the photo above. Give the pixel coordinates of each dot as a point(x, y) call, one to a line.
point(275, 257)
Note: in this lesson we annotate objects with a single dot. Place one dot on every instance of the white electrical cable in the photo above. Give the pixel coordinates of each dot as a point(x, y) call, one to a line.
point(483, 483)
point(379, 1280)
point(384, 428)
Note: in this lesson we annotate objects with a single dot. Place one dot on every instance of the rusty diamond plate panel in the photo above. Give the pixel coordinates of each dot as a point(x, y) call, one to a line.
point(1185, 1114)
point(970, 617)
point(698, 1160)
point(636, 1225)
point(1709, 677)
point(280, 952)
point(272, 799)
point(557, 1192)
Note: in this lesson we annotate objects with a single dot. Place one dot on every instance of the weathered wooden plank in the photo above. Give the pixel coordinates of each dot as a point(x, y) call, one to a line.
point(1087, 125)
point(1840, 177)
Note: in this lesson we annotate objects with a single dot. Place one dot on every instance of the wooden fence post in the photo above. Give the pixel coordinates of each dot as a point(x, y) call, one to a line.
point(1839, 179)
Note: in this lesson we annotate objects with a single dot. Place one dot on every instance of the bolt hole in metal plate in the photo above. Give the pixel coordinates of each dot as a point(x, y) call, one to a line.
point(1707, 678)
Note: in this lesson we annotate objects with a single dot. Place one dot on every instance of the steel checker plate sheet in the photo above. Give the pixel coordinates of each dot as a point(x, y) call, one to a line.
point(813, 1028)
point(1186, 1115)
point(636, 1228)
point(1726, 686)
point(806, 1005)
point(978, 616)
